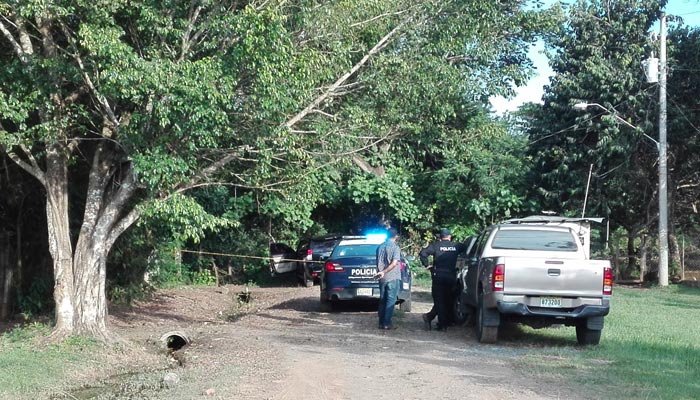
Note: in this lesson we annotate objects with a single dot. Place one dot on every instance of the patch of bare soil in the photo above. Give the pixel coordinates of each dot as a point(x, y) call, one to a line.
point(279, 346)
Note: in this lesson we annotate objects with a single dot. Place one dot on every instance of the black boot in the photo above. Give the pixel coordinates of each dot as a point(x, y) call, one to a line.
point(427, 323)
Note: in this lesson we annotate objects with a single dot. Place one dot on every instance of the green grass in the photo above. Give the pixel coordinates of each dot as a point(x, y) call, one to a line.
point(650, 348)
point(26, 367)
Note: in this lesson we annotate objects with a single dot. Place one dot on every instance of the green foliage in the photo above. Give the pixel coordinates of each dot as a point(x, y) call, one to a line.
point(597, 62)
point(193, 99)
point(26, 333)
point(421, 276)
point(203, 278)
point(391, 190)
point(37, 300)
point(683, 122)
point(166, 269)
point(126, 294)
point(186, 218)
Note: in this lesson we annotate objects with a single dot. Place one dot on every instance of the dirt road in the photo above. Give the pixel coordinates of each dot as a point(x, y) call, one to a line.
point(279, 346)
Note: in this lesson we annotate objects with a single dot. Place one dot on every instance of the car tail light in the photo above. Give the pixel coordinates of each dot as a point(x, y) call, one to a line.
point(309, 252)
point(607, 281)
point(499, 273)
point(334, 267)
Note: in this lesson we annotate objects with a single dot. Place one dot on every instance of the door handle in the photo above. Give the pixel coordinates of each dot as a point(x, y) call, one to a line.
point(554, 272)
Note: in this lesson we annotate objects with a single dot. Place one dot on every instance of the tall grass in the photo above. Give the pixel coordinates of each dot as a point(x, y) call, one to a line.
point(650, 348)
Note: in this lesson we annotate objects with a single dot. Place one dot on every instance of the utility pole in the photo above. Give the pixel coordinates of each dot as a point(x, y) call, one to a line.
point(663, 173)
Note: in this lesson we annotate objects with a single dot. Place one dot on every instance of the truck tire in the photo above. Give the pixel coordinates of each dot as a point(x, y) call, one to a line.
point(485, 334)
point(461, 310)
point(586, 336)
point(325, 305)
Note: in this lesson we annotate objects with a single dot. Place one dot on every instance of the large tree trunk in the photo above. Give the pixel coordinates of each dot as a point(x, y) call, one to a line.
point(80, 275)
point(109, 190)
point(60, 247)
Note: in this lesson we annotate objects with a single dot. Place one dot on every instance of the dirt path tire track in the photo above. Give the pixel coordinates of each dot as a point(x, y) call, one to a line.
point(281, 347)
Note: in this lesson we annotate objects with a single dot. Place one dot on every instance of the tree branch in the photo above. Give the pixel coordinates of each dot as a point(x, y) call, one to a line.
point(15, 44)
point(33, 168)
point(378, 17)
point(100, 98)
point(186, 40)
point(320, 99)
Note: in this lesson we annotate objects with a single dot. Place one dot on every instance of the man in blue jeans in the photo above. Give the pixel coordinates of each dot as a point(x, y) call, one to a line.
point(388, 265)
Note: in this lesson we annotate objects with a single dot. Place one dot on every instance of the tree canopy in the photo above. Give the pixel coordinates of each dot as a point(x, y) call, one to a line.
point(124, 110)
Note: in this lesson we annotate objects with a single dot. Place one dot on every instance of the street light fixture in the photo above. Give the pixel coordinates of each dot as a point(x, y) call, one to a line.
point(663, 190)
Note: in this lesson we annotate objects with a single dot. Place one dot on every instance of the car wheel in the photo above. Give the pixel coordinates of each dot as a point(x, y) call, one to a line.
point(326, 305)
point(405, 305)
point(485, 334)
point(585, 336)
point(308, 280)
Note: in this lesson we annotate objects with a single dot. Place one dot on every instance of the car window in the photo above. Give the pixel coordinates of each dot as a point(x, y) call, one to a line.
point(360, 250)
point(470, 245)
point(523, 239)
point(280, 248)
point(323, 247)
point(481, 242)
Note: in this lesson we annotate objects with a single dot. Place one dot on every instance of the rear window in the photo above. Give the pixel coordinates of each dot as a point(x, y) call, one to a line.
point(323, 247)
point(355, 250)
point(524, 239)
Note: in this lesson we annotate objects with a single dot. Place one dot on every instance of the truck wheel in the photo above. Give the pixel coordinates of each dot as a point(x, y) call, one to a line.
point(326, 305)
point(461, 311)
point(485, 334)
point(585, 336)
point(405, 305)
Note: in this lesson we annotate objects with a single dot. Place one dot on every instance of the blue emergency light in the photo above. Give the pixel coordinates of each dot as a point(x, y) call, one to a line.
point(378, 235)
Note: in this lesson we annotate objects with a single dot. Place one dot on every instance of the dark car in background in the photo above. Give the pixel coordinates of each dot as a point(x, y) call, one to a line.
point(348, 274)
point(306, 261)
point(313, 253)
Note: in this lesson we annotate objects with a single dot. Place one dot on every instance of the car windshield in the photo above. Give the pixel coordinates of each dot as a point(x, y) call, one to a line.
point(524, 239)
point(355, 250)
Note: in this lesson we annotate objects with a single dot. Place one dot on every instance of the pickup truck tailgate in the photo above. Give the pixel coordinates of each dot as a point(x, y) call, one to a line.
point(553, 277)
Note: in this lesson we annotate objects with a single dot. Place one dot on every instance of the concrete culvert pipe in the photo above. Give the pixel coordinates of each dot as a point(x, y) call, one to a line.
point(175, 340)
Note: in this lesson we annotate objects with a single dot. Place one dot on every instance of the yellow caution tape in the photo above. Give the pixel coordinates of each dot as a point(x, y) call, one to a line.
point(209, 253)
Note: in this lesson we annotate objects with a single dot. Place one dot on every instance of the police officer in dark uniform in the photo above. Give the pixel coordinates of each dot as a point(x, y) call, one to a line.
point(444, 276)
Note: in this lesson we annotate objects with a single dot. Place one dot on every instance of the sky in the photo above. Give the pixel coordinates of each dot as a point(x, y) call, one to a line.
point(689, 10)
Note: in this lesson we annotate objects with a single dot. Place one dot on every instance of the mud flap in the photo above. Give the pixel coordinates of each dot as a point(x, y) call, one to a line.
point(595, 323)
point(492, 317)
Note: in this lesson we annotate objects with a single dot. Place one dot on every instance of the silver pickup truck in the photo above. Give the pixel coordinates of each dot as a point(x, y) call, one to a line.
point(536, 271)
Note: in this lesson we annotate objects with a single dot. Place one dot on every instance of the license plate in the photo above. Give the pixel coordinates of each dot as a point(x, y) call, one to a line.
point(550, 301)
point(364, 291)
